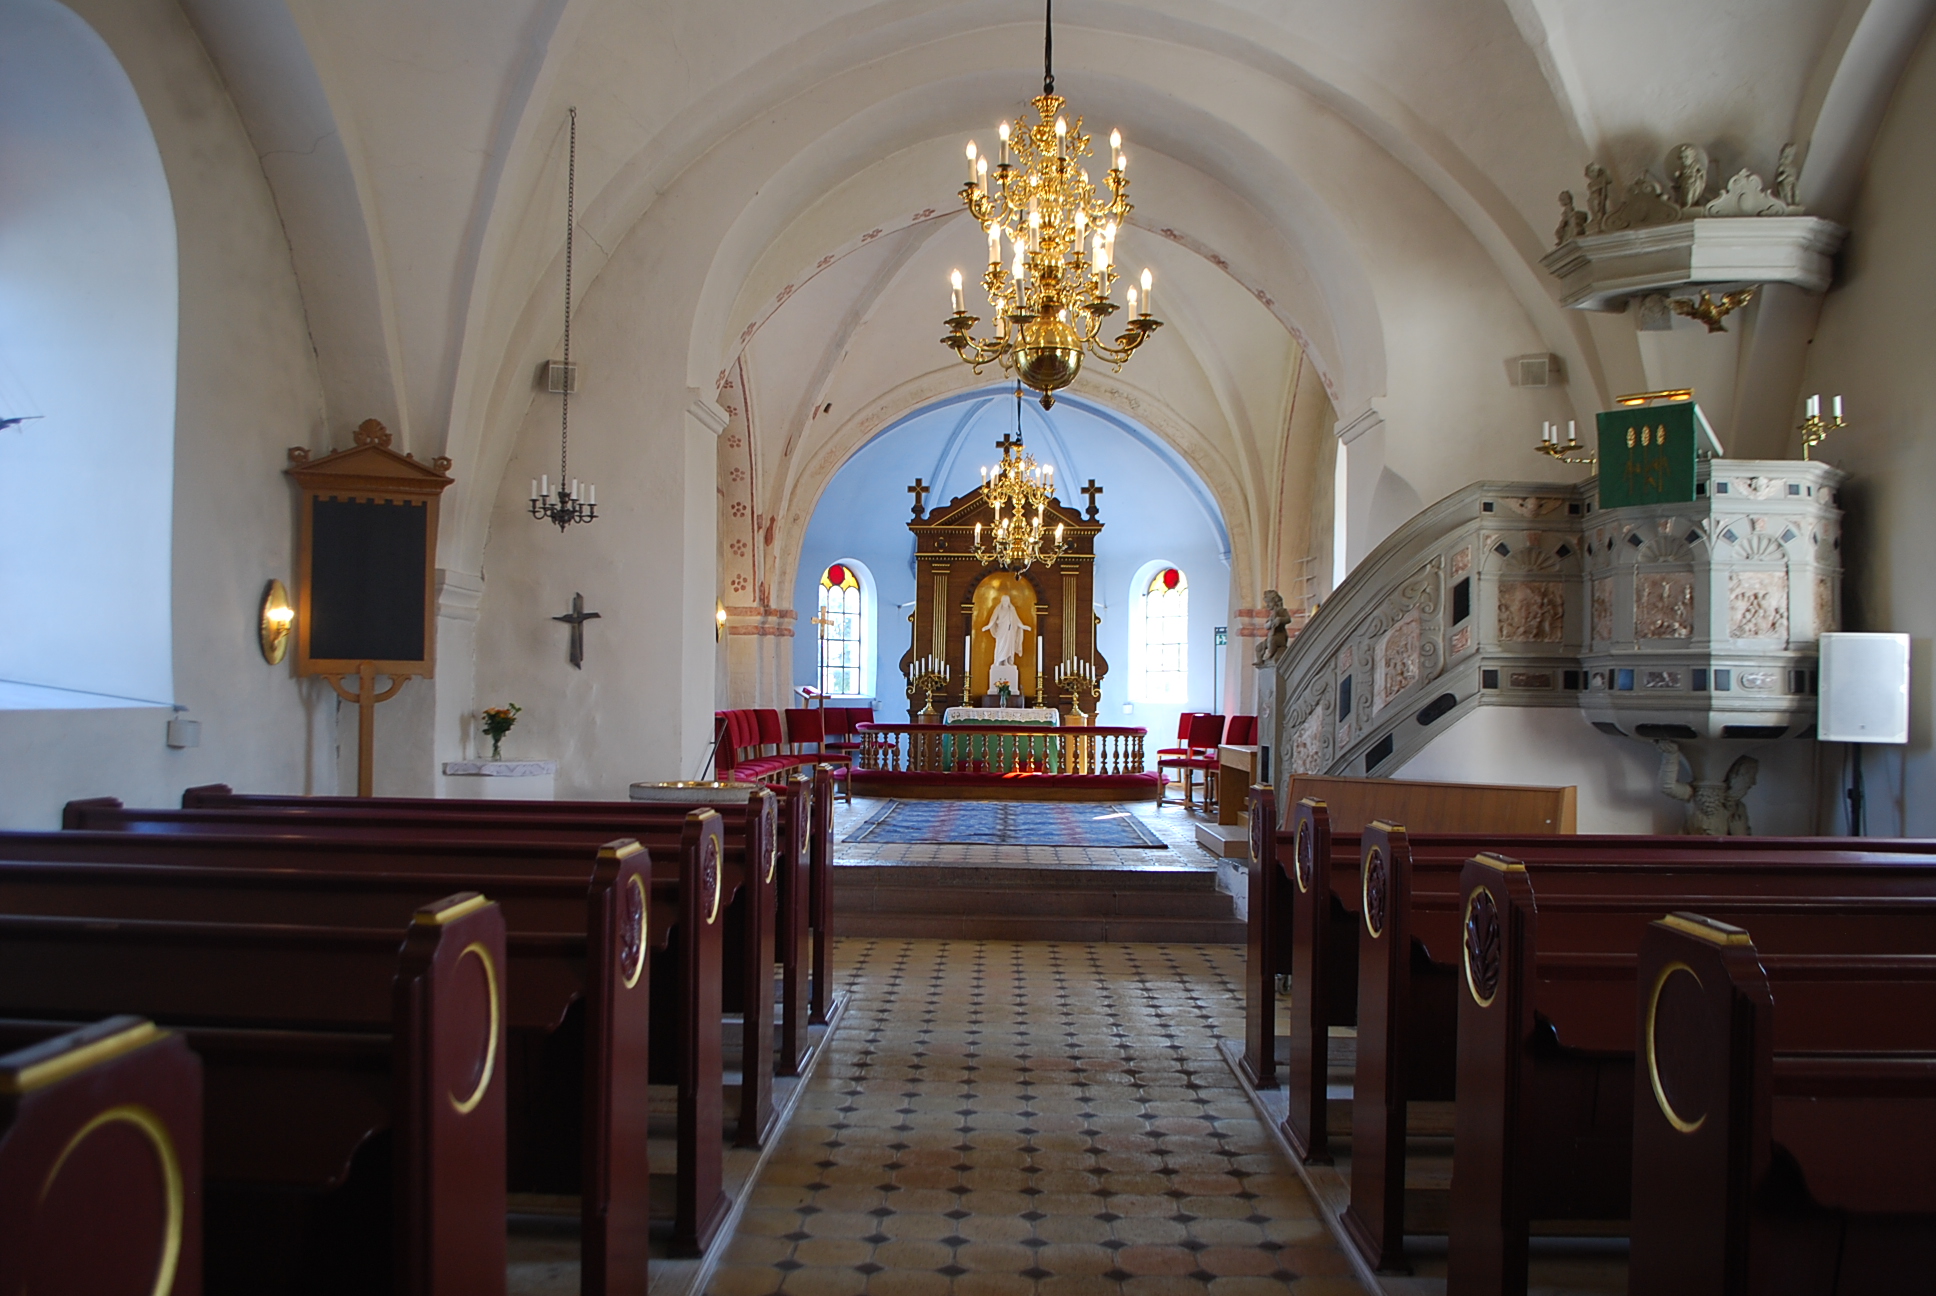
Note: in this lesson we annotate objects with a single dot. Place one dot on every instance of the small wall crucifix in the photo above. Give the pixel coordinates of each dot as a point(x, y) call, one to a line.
point(576, 619)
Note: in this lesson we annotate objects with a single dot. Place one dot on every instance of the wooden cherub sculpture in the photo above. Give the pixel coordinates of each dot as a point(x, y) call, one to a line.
point(1713, 809)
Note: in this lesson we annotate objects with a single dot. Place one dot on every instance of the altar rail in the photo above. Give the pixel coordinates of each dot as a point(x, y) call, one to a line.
point(1000, 750)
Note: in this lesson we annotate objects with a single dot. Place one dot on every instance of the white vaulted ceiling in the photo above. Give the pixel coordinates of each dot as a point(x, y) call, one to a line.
point(1365, 189)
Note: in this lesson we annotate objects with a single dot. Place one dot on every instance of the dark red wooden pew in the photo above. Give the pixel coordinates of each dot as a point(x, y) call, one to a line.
point(1784, 1117)
point(1306, 894)
point(1543, 1126)
point(545, 886)
point(814, 851)
point(312, 1040)
point(576, 951)
point(100, 1160)
point(751, 858)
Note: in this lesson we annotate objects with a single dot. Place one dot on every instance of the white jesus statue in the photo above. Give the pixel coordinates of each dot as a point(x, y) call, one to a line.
point(1007, 628)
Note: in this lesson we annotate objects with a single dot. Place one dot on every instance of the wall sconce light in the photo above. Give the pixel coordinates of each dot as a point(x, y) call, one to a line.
point(277, 618)
point(719, 622)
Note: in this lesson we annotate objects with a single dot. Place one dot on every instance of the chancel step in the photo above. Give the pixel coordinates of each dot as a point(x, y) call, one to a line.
point(969, 902)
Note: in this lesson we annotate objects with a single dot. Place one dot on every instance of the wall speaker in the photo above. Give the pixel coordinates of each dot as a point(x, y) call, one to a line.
point(1865, 688)
point(1541, 370)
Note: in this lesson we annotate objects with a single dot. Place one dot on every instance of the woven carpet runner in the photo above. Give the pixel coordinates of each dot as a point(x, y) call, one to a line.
point(1006, 823)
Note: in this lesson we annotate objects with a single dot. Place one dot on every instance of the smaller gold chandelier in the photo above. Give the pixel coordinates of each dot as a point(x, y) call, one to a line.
point(1051, 300)
point(1019, 490)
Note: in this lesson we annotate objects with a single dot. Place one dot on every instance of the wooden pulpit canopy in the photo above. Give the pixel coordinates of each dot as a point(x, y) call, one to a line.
point(366, 558)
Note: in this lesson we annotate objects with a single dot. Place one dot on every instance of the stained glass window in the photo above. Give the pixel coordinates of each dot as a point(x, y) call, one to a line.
point(1163, 656)
point(842, 632)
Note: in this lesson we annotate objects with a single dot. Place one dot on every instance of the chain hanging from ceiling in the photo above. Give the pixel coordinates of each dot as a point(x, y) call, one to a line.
point(1051, 234)
point(573, 501)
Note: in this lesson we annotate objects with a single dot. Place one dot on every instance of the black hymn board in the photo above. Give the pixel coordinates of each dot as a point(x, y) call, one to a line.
point(365, 561)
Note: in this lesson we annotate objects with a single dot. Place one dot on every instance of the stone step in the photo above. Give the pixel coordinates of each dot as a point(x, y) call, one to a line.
point(969, 902)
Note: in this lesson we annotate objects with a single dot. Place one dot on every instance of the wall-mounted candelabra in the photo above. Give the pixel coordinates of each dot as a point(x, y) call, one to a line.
point(1569, 451)
point(924, 676)
point(1815, 429)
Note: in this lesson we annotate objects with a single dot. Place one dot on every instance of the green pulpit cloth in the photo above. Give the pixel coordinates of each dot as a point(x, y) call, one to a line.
point(1647, 454)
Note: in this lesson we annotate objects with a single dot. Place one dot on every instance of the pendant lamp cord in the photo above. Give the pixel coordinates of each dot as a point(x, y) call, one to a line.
point(1048, 47)
point(571, 225)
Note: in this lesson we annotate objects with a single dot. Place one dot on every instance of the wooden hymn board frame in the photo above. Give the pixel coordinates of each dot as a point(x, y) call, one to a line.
point(366, 563)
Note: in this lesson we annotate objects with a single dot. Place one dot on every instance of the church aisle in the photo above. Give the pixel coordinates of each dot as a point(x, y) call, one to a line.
point(1001, 1118)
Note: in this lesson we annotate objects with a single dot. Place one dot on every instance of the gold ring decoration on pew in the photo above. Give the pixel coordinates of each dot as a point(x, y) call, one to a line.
point(634, 937)
point(1674, 1118)
point(1374, 892)
point(1481, 954)
point(709, 878)
point(464, 1106)
point(1303, 856)
point(770, 821)
point(171, 1177)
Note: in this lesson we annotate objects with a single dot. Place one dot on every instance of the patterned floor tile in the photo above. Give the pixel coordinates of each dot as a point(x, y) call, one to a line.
point(1030, 1119)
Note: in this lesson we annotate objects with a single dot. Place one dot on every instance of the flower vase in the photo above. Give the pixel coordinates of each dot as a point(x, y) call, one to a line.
point(497, 753)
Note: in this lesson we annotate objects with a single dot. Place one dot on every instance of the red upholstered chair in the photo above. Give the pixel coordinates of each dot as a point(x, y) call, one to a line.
point(807, 733)
point(843, 737)
point(805, 726)
point(1206, 731)
point(1182, 737)
point(770, 732)
point(1241, 731)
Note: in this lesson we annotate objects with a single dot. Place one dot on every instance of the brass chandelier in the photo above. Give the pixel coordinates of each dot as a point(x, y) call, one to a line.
point(1021, 489)
point(1051, 298)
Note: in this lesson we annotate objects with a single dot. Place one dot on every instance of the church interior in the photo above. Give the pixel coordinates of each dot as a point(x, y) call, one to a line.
point(930, 648)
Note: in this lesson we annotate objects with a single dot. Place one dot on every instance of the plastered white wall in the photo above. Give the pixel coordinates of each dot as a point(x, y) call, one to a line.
point(246, 388)
point(1874, 346)
point(1617, 778)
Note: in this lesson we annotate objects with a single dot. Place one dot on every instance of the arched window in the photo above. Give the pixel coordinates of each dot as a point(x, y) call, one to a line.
point(88, 314)
point(845, 625)
point(1159, 636)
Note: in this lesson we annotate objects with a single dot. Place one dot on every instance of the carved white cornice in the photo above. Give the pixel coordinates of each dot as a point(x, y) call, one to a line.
point(1365, 420)
point(1601, 271)
point(708, 415)
point(459, 594)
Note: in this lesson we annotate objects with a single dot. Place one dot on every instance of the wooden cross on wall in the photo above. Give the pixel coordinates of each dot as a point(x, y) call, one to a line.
point(920, 491)
point(576, 619)
point(1008, 443)
point(1091, 490)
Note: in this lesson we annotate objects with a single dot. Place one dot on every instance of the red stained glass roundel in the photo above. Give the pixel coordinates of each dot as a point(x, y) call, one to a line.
point(1171, 578)
point(836, 575)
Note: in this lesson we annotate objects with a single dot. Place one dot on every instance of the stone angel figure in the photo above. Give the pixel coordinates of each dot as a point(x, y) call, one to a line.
point(1599, 187)
point(1572, 220)
point(1690, 175)
point(1787, 176)
point(1713, 809)
point(1277, 629)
